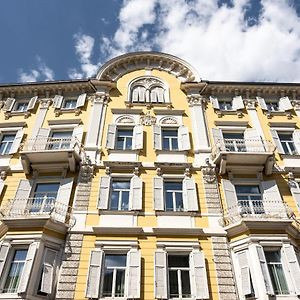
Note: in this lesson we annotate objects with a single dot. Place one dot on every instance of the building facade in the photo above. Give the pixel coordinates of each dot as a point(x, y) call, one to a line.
point(147, 182)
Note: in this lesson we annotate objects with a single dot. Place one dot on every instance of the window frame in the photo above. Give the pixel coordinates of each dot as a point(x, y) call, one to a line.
point(124, 128)
point(2, 135)
point(17, 103)
point(173, 192)
point(117, 178)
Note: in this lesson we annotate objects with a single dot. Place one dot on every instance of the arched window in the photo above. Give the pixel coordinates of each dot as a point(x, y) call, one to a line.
point(138, 94)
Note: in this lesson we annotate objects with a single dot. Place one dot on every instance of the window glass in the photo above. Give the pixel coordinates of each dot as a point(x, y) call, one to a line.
point(272, 105)
point(249, 199)
point(170, 139)
point(20, 106)
point(15, 271)
point(234, 141)
point(60, 140)
point(124, 139)
point(69, 103)
point(114, 275)
point(287, 143)
point(173, 196)
point(225, 104)
point(120, 195)
point(6, 143)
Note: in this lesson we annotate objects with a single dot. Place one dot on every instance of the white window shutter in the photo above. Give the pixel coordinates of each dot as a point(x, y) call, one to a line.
point(57, 101)
point(9, 104)
point(215, 102)
point(253, 140)
point(111, 136)
point(77, 135)
point(160, 275)
point(230, 196)
point(218, 138)
point(65, 190)
point(272, 200)
point(296, 138)
point(245, 272)
point(199, 275)
point(135, 95)
point(157, 143)
point(41, 139)
point(161, 94)
point(285, 104)
point(81, 100)
point(4, 249)
point(276, 141)
point(1, 186)
point(153, 95)
point(24, 279)
point(142, 94)
point(295, 190)
point(105, 182)
point(22, 196)
point(183, 138)
point(237, 103)
point(293, 265)
point(158, 193)
point(190, 200)
point(262, 103)
point(17, 141)
point(48, 270)
point(136, 193)
point(32, 103)
point(133, 270)
point(137, 137)
point(94, 274)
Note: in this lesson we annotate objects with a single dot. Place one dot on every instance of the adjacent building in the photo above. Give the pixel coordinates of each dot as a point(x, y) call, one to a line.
point(148, 182)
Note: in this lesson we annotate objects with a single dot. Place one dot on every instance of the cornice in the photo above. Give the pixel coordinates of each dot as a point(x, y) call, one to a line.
point(118, 66)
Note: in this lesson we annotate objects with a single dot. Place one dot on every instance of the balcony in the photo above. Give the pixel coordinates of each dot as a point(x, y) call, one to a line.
point(51, 154)
point(243, 155)
point(256, 215)
point(37, 213)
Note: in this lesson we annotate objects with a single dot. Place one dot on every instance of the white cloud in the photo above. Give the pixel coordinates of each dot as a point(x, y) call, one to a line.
point(41, 73)
point(216, 40)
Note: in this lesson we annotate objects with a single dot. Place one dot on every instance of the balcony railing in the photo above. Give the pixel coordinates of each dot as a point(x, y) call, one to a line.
point(255, 210)
point(42, 144)
point(38, 207)
point(242, 145)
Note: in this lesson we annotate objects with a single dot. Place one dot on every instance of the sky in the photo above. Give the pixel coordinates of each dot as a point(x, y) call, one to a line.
point(226, 40)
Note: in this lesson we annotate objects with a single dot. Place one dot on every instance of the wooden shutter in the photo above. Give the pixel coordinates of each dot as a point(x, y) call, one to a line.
point(41, 139)
point(157, 143)
point(272, 200)
point(285, 104)
point(17, 141)
point(218, 138)
point(230, 197)
point(111, 136)
point(288, 252)
point(160, 275)
point(161, 94)
point(253, 140)
point(264, 269)
point(276, 141)
point(48, 270)
point(296, 138)
point(245, 272)
point(262, 103)
point(215, 102)
point(183, 138)
point(57, 101)
point(24, 279)
point(136, 193)
point(94, 274)
point(21, 197)
point(199, 275)
point(77, 135)
point(190, 200)
point(32, 103)
point(237, 103)
point(105, 182)
point(137, 137)
point(9, 104)
point(133, 270)
point(158, 193)
point(4, 249)
point(295, 190)
point(81, 100)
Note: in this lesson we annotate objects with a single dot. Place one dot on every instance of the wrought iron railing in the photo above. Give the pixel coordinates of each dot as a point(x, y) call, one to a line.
point(38, 207)
point(256, 210)
point(242, 145)
point(41, 144)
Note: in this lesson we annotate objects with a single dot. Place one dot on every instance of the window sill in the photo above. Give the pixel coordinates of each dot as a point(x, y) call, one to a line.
point(60, 111)
point(10, 296)
point(176, 213)
point(171, 151)
point(10, 114)
point(118, 212)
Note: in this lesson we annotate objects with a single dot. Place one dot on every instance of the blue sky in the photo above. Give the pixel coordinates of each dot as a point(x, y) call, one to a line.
point(255, 40)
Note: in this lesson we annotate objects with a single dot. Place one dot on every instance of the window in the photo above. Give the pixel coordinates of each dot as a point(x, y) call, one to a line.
point(249, 199)
point(234, 141)
point(276, 272)
point(6, 143)
point(69, 103)
point(287, 142)
point(120, 195)
point(170, 139)
point(59, 102)
point(15, 271)
point(179, 276)
point(44, 197)
point(60, 140)
point(124, 139)
point(114, 275)
point(272, 106)
point(20, 106)
point(173, 196)
point(225, 105)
